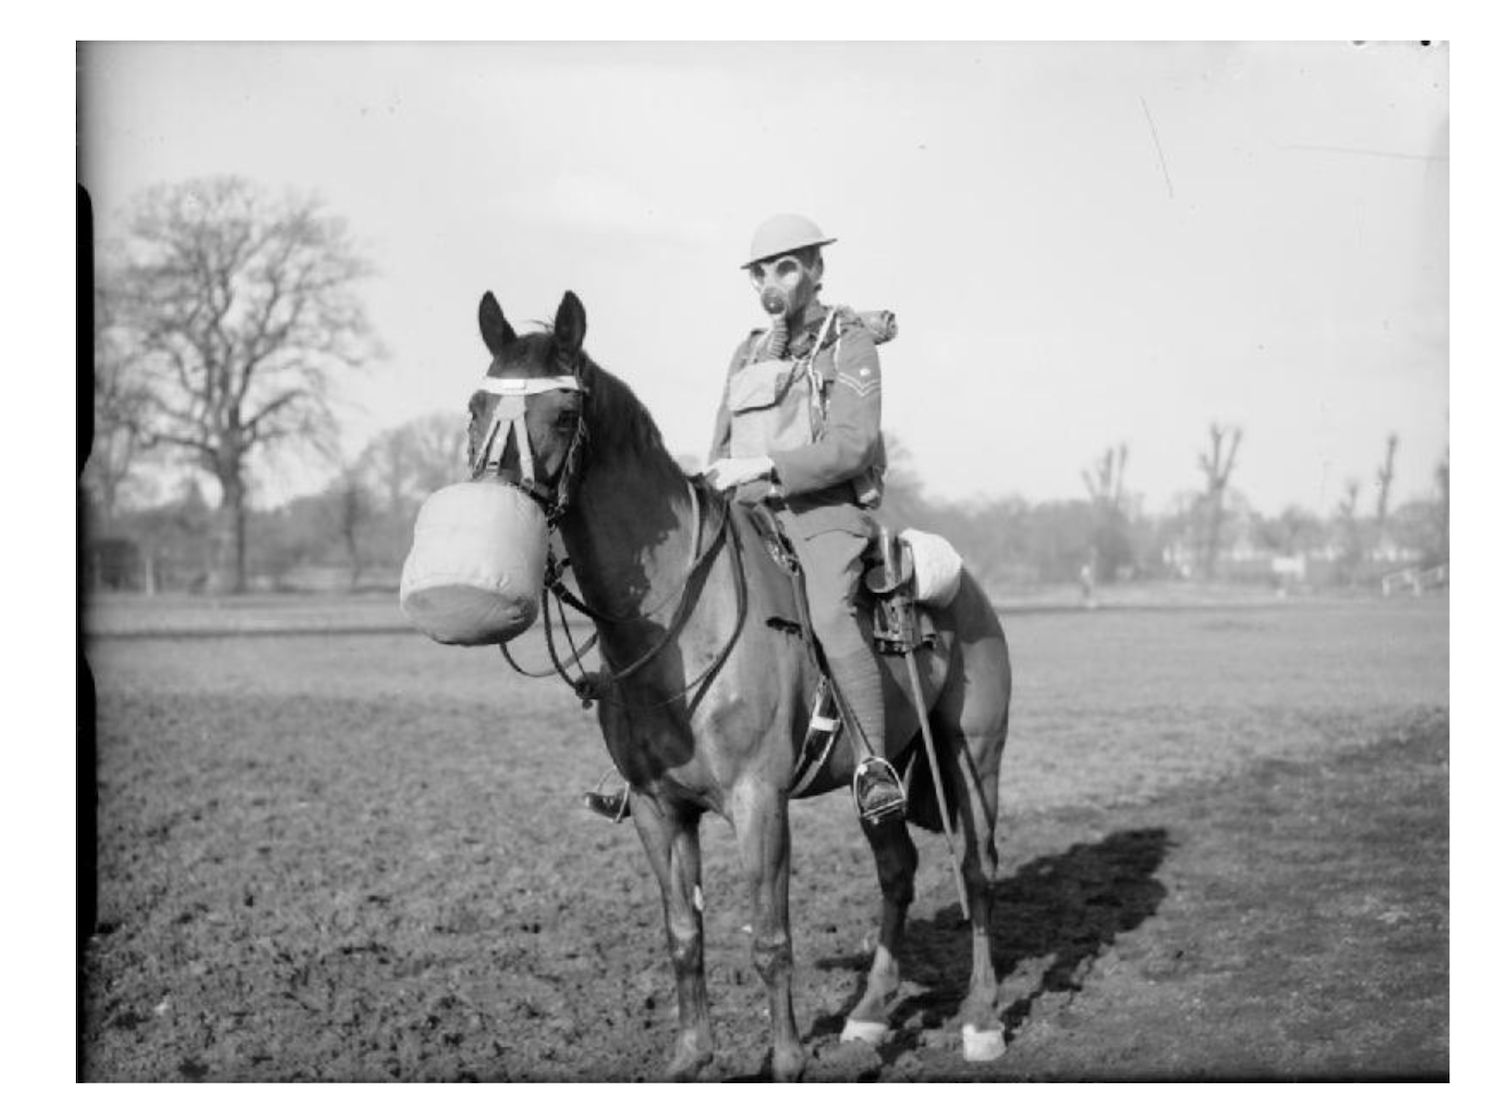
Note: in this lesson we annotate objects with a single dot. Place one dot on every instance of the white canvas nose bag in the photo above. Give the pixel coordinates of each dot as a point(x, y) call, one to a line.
point(474, 573)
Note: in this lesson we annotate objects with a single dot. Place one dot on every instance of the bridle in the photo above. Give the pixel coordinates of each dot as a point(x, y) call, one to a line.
point(507, 424)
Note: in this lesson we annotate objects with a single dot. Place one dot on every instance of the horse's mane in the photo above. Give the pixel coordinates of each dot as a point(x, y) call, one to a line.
point(619, 423)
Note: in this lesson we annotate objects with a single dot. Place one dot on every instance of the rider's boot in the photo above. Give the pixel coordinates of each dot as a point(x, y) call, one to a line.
point(877, 789)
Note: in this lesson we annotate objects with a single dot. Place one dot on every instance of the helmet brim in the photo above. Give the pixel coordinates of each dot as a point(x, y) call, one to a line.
point(788, 251)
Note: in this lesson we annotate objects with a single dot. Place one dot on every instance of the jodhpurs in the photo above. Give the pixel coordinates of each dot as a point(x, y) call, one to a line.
point(831, 562)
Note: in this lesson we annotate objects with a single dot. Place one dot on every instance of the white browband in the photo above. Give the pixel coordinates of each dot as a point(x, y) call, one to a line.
point(528, 386)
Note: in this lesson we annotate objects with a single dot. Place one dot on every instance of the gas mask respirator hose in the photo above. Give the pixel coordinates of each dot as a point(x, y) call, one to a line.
point(773, 301)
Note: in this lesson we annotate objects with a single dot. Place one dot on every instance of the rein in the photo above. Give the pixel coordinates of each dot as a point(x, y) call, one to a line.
point(590, 687)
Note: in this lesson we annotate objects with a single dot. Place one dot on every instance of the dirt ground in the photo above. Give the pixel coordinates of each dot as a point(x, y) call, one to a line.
point(361, 856)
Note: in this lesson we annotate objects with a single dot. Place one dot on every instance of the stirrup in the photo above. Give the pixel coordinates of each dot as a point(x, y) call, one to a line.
point(890, 809)
point(614, 807)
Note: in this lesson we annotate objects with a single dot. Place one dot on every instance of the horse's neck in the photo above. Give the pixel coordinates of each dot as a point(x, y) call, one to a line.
point(630, 536)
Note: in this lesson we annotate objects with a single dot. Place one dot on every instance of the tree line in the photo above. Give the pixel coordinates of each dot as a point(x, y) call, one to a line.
point(225, 319)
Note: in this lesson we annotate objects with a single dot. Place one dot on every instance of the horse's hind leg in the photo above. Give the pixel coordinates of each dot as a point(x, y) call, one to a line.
point(764, 836)
point(978, 759)
point(896, 864)
point(670, 836)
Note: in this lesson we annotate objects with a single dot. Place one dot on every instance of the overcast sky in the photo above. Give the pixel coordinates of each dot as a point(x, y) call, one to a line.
point(1084, 244)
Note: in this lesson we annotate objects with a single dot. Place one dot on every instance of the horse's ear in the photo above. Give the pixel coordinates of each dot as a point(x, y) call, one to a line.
point(569, 326)
point(493, 327)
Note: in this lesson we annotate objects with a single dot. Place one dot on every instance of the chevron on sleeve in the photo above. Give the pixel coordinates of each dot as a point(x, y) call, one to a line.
point(861, 382)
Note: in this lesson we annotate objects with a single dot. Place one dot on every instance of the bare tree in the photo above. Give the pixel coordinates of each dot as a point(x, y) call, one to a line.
point(409, 462)
point(353, 510)
point(119, 403)
point(1442, 476)
point(1106, 483)
point(1217, 466)
point(1383, 479)
point(1106, 487)
point(1346, 516)
point(239, 311)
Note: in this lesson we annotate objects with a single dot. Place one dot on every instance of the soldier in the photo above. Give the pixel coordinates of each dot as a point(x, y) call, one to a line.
point(799, 427)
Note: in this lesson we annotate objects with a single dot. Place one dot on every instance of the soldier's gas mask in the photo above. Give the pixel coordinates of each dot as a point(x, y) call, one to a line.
point(787, 286)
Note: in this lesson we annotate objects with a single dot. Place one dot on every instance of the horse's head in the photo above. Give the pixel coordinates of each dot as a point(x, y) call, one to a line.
point(526, 417)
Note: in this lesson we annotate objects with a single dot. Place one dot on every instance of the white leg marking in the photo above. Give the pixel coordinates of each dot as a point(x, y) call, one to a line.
point(871, 1032)
point(983, 1044)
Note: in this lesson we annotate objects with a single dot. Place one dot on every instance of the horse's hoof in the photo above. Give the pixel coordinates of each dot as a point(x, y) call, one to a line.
point(789, 1069)
point(688, 1072)
point(870, 1032)
point(981, 1045)
point(686, 1066)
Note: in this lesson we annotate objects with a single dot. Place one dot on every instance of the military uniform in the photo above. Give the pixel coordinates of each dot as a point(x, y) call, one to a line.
point(829, 486)
point(819, 480)
point(806, 408)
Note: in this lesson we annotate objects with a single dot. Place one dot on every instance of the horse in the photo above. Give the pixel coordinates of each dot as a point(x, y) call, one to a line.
point(701, 704)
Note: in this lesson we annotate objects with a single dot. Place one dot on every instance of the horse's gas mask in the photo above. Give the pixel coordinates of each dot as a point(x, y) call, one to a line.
point(475, 573)
point(547, 474)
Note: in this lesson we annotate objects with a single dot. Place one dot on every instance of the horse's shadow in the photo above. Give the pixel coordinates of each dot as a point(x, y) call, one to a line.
point(1066, 908)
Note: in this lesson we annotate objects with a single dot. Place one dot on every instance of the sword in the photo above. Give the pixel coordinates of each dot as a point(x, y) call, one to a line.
point(907, 643)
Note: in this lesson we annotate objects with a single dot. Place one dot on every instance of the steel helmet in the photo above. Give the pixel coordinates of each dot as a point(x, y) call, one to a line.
point(782, 234)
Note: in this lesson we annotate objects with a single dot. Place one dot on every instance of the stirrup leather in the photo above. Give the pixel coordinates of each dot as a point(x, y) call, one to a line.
point(896, 807)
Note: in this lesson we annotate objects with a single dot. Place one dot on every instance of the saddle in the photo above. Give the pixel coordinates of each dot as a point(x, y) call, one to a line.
point(889, 586)
point(898, 625)
point(904, 578)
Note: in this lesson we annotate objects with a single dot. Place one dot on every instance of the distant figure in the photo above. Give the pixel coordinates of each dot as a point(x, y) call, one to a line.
point(1086, 583)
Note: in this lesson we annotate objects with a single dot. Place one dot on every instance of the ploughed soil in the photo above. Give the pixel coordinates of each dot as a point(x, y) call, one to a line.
point(360, 856)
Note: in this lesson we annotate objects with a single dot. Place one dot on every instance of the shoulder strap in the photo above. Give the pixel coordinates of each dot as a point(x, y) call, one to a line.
point(829, 319)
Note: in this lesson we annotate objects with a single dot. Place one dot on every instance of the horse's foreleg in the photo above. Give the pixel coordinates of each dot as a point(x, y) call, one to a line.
point(763, 832)
point(978, 760)
point(671, 840)
point(896, 865)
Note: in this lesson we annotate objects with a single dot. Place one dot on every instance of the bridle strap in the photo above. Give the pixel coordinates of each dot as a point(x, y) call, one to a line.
point(587, 688)
point(560, 590)
point(509, 423)
point(536, 385)
point(508, 419)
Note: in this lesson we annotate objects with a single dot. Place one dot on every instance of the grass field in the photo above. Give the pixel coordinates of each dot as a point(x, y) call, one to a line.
point(360, 855)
